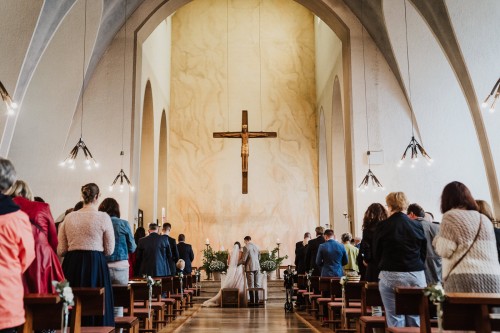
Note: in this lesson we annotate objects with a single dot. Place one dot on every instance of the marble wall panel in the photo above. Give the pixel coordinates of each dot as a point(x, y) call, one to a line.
point(223, 63)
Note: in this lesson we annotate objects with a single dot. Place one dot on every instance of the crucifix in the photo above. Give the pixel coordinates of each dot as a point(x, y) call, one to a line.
point(244, 135)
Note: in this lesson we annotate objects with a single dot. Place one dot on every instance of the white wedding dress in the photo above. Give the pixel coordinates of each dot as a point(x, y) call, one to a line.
point(235, 278)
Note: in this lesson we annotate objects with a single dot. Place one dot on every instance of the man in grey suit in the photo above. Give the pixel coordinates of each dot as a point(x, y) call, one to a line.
point(250, 259)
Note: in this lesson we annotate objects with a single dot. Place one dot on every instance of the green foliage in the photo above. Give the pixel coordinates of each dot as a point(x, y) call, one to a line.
point(209, 256)
point(273, 256)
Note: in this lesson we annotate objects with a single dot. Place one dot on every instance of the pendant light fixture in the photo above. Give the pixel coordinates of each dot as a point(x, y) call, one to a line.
point(70, 161)
point(494, 95)
point(121, 179)
point(414, 147)
point(370, 178)
point(9, 103)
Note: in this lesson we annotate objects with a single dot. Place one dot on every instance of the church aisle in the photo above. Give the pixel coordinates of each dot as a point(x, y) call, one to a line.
point(270, 319)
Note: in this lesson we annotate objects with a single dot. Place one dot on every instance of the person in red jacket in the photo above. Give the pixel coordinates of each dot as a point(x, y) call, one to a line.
point(16, 253)
point(46, 266)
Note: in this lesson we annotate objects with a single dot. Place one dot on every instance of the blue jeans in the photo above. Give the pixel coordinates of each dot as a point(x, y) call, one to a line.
point(387, 285)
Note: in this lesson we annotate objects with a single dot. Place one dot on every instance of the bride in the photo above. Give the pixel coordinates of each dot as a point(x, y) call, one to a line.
point(235, 278)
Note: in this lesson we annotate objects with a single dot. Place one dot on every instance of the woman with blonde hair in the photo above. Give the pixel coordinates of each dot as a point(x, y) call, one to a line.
point(46, 266)
point(400, 248)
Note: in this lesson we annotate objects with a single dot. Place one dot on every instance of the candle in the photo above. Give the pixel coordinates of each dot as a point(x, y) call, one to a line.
point(222, 248)
point(277, 240)
point(207, 242)
point(163, 212)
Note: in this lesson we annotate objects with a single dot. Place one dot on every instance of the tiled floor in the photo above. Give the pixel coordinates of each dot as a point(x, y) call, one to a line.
point(270, 319)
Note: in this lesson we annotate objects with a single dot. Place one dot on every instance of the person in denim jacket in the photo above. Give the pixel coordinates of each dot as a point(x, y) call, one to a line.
point(124, 243)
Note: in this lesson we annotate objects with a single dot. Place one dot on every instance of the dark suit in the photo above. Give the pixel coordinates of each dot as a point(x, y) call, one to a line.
point(311, 252)
point(186, 254)
point(151, 255)
point(172, 259)
point(331, 257)
point(300, 257)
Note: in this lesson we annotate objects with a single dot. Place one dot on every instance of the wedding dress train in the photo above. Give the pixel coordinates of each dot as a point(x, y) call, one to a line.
point(235, 278)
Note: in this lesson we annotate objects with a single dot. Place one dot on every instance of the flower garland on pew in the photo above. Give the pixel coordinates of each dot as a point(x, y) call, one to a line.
point(342, 282)
point(436, 295)
point(66, 294)
point(308, 277)
point(150, 283)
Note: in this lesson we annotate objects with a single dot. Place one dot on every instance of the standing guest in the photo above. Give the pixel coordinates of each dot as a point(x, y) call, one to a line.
point(433, 264)
point(357, 242)
point(17, 251)
point(400, 248)
point(352, 253)
point(185, 253)
point(152, 255)
point(466, 242)
point(133, 270)
point(46, 266)
point(172, 259)
point(331, 256)
point(312, 251)
point(300, 253)
point(373, 216)
point(485, 209)
point(85, 238)
point(78, 206)
point(124, 243)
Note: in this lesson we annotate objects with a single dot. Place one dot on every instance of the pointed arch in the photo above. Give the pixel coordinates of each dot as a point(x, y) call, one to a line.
point(146, 174)
point(162, 167)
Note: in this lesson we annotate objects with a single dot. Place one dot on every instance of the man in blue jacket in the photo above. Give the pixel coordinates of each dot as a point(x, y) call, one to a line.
point(331, 256)
point(152, 254)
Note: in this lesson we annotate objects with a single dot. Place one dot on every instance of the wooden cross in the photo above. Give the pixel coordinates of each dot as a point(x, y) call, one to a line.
point(244, 135)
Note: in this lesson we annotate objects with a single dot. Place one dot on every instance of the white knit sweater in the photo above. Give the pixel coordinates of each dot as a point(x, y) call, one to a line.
point(86, 229)
point(479, 270)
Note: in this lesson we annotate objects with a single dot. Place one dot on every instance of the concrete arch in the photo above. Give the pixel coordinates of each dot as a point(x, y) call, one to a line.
point(323, 174)
point(162, 167)
point(146, 174)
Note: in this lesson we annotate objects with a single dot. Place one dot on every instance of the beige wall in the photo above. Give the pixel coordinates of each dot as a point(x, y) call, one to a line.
point(204, 174)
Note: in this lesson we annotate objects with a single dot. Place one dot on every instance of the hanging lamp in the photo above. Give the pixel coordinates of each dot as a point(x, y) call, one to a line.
point(370, 178)
point(414, 147)
point(121, 179)
point(494, 95)
point(70, 161)
point(9, 103)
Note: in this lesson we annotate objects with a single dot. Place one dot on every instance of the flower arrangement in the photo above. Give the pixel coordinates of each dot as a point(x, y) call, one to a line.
point(343, 280)
point(209, 255)
point(216, 266)
point(436, 295)
point(66, 294)
point(272, 256)
point(268, 266)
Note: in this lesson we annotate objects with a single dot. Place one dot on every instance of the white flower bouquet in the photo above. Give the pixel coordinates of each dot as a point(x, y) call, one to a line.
point(268, 266)
point(216, 266)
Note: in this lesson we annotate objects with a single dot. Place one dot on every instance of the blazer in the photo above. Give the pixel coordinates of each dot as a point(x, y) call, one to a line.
point(152, 254)
point(186, 254)
point(331, 257)
point(172, 259)
point(311, 252)
point(300, 257)
point(251, 257)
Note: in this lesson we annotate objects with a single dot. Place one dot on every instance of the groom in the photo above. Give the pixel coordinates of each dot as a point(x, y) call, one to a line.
point(250, 259)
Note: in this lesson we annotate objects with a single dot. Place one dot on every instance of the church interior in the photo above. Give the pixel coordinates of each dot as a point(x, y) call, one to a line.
point(137, 88)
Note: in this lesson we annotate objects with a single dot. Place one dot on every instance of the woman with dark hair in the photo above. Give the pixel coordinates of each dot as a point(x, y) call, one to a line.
point(46, 267)
point(85, 238)
point(133, 270)
point(124, 243)
point(373, 216)
point(466, 242)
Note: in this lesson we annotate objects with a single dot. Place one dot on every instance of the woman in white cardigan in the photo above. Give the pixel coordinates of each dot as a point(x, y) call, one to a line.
point(466, 242)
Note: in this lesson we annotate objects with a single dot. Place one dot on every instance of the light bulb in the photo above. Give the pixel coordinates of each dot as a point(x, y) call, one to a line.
point(484, 105)
point(72, 166)
point(121, 187)
point(14, 105)
point(89, 167)
point(96, 164)
point(358, 189)
point(63, 163)
point(416, 160)
point(492, 109)
point(110, 188)
point(10, 111)
point(413, 166)
point(132, 188)
point(87, 162)
point(71, 161)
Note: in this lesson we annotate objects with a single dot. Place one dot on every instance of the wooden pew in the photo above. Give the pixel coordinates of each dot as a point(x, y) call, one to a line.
point(124, 296)
point(327, 295)
point(42, 312)
point(352, 298)
point(89, 302)
point(412, 301)
point(370, 296)
point(471, 311)
point(149, 319)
